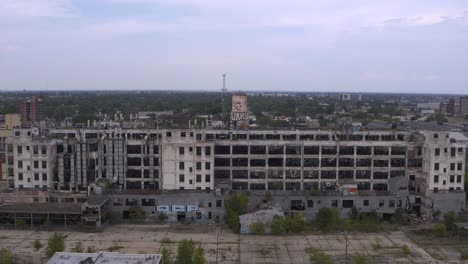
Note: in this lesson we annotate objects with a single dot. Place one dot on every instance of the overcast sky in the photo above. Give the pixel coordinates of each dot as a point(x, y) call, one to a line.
point(298, 45)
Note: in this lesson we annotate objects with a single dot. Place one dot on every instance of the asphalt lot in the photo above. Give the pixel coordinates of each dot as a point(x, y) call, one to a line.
point(222, 246)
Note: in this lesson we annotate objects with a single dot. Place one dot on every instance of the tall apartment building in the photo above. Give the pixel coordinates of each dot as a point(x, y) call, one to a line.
point(464, 106)
point(32, 110)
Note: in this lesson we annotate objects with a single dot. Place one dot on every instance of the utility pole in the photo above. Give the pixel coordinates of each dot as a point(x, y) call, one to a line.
point(346, 247)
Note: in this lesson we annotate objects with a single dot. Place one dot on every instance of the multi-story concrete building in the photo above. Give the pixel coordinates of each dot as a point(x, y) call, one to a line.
point(388, 170)
point(31, 159)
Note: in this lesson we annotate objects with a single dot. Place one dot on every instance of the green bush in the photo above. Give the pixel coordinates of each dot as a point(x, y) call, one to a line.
point(360, 259)
point(439, 230)
point(278, 225)
point(185, 252)
point(37, 245)
point(449, 220)
point(162, 217)
point(56, 243)
point(328, 219)
point(399, 217)
point(257, 228)
point(319, 257)
point(136, 212)
point(6, 256)
point(165, 256)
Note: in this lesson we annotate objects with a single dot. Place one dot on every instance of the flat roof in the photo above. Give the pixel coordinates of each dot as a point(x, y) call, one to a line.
point(104, 257)
point(56, 208)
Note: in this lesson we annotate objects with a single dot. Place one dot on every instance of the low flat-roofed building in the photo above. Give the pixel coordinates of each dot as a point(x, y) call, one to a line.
point(103, 257)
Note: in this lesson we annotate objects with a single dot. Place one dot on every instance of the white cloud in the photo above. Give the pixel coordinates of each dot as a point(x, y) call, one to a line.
point(25, 9)
point(7, 49)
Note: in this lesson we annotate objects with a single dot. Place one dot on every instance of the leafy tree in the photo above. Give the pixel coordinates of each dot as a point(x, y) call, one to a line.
point(236, 206)
point(6, 256)
point(165, 256)
point(439, 230)
point(56, 243)
point(199, 256)
point(185, 252)
point(319, 257)
point(327, 219)
point(449, 220)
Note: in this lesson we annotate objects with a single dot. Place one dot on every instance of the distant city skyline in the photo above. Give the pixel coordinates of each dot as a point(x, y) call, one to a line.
point(304, 46)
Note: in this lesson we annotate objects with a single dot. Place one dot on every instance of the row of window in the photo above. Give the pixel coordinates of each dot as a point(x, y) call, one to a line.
point(309, 150)
point(459, 166)
point(36, 177)
point(198, 150)
point(307, 162)
point(35, 164)
point(452, 179)
point(35, 149)
point(198, 166)
point(453, 151)
point(300, 205)
point(198, 178)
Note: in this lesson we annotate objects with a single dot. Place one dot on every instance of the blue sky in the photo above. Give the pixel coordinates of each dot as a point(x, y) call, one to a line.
point(297, 45)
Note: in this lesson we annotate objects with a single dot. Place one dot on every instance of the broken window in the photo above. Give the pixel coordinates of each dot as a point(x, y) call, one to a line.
point(381, 203)
point(347, 203)
point(328, 150)
point(289, 137)
point(240, 150)
point(398, 163)
point(312, 162)
point(306, 137)
point(364, 151)
point(275, 150)
point(334, 203)
point(380, 151)
point(133, 149)
point(222, 162)
point(293, 186)
point(328, 174)
point(380, 187)
point(275, 186)
point(380, 175)
point(240, 185)
point(293, 150)
point(397, 173)
point(256, 137)
point(275, 174)
point(325, 162)
point(346, 150)
point(257, 175)
point(363, 162)
point(363, 186)
point(297, 205)
point(273, 137)
point(311, 174)
point(398, 151)
point(240, 162)
point(310, 203)
point(222, 150)
point(257, 150)
point(257, 186)
point(311, 150)
point(363, 174)
point(346, 162)
point(293, 162)
point(380, 163)
point(134, 161)
point(346, 175)
point(257, 163)
point(223, 174)
point(293, 174)
point(275, 162)
point(240, 174)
